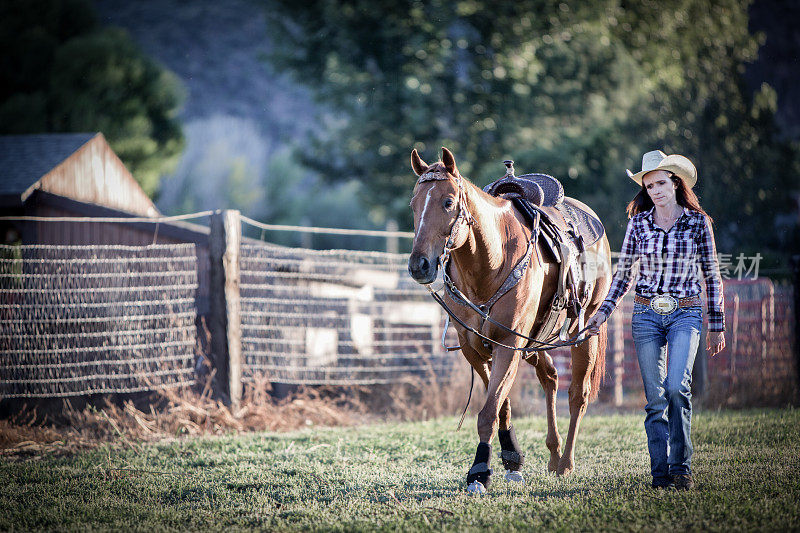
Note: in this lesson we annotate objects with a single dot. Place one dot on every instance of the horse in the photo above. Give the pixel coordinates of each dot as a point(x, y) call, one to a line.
point(485, 237)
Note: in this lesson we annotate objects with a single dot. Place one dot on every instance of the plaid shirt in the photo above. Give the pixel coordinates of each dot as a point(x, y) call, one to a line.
point(671, 262)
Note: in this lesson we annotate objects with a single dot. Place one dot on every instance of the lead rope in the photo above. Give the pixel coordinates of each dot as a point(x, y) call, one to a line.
point(540, 345)
point(469, 398)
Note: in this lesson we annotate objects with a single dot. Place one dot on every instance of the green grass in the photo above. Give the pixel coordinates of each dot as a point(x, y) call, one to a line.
point(410, 476)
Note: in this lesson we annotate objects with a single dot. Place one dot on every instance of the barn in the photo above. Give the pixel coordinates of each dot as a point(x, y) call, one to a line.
point(98, 294)
point(78, 175)
point(74, 175)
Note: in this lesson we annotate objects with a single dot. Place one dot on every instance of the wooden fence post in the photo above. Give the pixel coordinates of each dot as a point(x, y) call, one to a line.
point(392, 242)
point(225, 323)
point(796, 298)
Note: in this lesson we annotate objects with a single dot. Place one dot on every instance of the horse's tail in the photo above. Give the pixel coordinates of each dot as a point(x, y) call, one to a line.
point(599, 370)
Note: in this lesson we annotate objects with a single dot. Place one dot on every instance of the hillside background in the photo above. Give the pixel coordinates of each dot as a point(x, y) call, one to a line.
point(246, 123)
point(242, 120)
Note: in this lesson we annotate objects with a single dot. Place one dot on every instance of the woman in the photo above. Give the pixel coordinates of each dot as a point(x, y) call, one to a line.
point(671, 237)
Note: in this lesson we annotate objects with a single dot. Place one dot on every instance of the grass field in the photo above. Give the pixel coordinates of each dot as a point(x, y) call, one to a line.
point(410, 476)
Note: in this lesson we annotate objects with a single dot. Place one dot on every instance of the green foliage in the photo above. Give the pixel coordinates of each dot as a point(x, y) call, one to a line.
point(699, 52)
point(68, 75)
point(410, 477)
point(576, 89)
point(295, 198)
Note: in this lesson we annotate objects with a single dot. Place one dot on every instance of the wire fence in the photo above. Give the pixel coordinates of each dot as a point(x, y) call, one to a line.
point(758, 364)
point(337, 318)
point(77, 320)
point(759, 368)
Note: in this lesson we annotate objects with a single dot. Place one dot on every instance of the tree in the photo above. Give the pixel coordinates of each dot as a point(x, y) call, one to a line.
point(576, 89)
point(698, 52)
point(489, 83)
point(66, 74)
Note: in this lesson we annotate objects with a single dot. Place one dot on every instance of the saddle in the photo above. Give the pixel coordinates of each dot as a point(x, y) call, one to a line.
point(539, 189)
point(543, 190)
point(566, 230)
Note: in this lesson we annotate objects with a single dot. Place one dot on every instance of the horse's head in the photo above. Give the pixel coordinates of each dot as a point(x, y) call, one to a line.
point(440, 214)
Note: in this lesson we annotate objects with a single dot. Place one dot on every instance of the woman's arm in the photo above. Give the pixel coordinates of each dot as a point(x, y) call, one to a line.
point(710, 267)
point(621, 283)
point(623, 276)
point(715, 338)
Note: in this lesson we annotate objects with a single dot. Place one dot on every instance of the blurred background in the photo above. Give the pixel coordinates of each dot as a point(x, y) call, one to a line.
point(306, 112)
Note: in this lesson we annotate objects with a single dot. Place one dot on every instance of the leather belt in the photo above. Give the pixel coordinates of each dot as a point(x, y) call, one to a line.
point(665, 304)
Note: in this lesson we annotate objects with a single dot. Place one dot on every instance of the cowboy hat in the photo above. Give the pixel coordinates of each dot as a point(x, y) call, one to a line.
point(658, 160)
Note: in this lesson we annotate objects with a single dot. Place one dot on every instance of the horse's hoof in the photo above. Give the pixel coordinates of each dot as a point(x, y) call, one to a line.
point(515, 476)
point(476, 487)
point(564, 471)
point(565, 465)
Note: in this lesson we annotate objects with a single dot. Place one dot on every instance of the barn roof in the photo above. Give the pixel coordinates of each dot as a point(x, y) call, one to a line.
point(25, 159)
point(77, 166)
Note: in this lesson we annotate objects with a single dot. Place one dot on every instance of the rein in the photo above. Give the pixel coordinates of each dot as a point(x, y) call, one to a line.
point(464, 217)
point(539, 345)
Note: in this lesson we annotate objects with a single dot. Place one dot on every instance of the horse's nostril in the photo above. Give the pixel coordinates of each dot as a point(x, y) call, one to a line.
point(424, 264)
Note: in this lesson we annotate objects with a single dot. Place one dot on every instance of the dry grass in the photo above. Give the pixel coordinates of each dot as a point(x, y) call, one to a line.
point(174, 413)
point(167, 414)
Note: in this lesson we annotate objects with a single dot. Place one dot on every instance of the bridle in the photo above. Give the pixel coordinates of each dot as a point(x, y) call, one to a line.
point(463, 219)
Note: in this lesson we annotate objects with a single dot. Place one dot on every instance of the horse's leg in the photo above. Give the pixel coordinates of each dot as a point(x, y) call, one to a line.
point(477, 362)
point(583, 359)
point(504, 369)
point(548, 377)
point(510, 451)
point(479, 472)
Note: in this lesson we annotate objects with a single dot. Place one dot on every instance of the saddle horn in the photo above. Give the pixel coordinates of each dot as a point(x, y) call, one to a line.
point(509, 163)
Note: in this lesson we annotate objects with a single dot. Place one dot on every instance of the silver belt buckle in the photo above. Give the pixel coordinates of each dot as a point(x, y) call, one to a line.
point(663, 304)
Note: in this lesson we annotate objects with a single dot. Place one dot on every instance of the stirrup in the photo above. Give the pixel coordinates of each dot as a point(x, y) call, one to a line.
point(581, 325)
point(444, 335)
point(564, 331)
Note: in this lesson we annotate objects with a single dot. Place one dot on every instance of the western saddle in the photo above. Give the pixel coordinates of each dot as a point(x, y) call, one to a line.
point(567, 231)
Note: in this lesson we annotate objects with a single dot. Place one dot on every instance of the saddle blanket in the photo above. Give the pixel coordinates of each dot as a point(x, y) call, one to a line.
point(588, 225)
point(584, 224)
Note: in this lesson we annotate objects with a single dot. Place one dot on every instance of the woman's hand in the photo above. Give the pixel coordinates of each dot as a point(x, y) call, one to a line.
point(715, 342)
point(593, 326)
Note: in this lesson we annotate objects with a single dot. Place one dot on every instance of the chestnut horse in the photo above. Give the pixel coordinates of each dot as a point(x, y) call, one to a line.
point(486, 237)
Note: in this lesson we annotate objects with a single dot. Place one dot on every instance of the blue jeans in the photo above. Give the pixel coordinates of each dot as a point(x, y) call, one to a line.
point(666, 346)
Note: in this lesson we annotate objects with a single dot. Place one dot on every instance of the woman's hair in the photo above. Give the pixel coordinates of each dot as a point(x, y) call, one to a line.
point(683, 194)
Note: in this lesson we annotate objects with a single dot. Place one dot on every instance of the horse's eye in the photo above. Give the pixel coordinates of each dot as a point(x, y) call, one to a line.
point(448, 203)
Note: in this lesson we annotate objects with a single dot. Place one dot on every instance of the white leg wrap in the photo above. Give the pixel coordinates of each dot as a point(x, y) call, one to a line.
point(514, 476)
point(476, 487)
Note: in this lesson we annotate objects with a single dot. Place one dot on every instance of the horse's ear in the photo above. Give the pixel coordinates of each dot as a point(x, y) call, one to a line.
point(449, 161)
point(417, 163)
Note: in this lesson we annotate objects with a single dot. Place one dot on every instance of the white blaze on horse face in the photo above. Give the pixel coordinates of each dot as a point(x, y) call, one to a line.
point(424, 210)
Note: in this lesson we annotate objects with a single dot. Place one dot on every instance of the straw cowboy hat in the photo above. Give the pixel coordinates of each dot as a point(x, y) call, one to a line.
point(658, 160)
